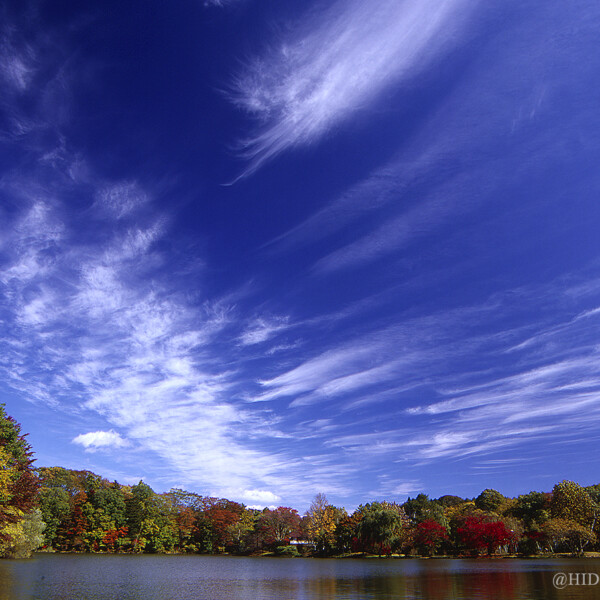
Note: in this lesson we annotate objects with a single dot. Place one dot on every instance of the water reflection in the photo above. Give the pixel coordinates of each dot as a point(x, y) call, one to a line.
point(6, 583)
point(88, 577)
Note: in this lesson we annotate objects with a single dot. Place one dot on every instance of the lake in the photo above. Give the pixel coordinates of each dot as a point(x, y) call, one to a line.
point(156, 577)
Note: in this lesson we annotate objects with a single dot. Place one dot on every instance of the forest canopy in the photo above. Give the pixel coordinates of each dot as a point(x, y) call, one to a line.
point(58, 509)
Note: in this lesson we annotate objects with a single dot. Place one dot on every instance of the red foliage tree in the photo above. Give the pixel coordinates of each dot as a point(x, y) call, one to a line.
point(112, 536)
point(186, 525)
point(223, 514)
point(429, 535)
point(477, 534)
point(77, 523)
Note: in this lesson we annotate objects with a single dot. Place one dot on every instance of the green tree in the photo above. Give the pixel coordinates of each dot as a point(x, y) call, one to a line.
point(138, 508)
point(421, 509)
point(55, 508)
point(532, 508)
point(346, 532)
point(151, 520)
point(381, 528)
point(489, 500)
point(448, 500)
point(111, 500)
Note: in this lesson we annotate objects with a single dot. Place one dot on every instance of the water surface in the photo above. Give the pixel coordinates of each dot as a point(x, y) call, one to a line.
point(148, 577)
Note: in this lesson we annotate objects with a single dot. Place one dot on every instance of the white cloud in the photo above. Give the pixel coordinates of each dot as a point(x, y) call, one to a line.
point(380, 188)
point(100, 439)
point(99, 321)
point(32, 242)
point(32, 68)
point(337, 63)
point(262, 496)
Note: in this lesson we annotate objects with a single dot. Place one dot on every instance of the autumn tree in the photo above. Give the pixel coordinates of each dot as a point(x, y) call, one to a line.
point(476, 534)
point(572, 503)
point(279, 525)
point(346, 533)
point(186, 529)
point(240, 531)
point(223, 515)
point(323, 519)
point(70, 535)
point(594, 493)
point(19, 487)
point(567, 535)
point(429, 536)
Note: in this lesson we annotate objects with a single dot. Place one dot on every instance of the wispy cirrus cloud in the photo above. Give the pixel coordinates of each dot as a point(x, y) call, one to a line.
point(549, 388)
point(452, 164)
point(337, 62)
point(222, 2)
point(390, 487)
point(107, 319)
point(34, 84)
point(118, 336)
point(362, 361)
point(119, 200)
point(15, 71)
point(17, 60)
point(95, 327)
point(262, 329)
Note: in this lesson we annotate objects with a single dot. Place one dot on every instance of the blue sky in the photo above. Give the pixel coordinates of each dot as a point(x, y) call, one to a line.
point(262, 250)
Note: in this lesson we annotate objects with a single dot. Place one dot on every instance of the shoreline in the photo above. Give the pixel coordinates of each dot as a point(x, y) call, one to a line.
point(352, 556)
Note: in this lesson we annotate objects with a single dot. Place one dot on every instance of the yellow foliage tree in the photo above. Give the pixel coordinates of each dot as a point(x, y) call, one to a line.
point(7, 476)
point(323, 519)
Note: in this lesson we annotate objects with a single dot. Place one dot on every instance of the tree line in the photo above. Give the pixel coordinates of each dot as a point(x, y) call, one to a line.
point(59, 509)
